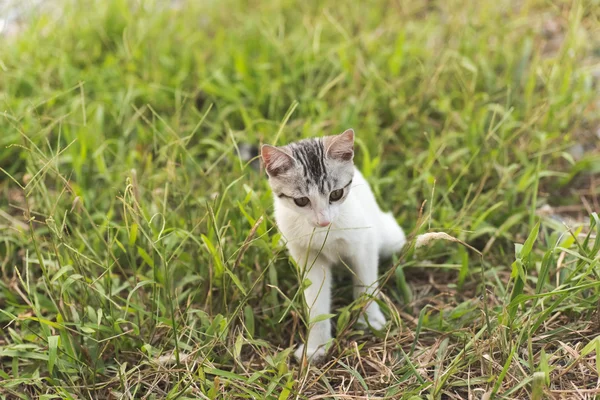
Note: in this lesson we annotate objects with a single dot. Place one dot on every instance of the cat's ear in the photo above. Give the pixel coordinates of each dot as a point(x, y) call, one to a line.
point(276, 160)
point(340, 147)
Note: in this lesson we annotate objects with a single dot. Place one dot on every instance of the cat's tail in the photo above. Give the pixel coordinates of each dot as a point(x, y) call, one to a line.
point(392, 237)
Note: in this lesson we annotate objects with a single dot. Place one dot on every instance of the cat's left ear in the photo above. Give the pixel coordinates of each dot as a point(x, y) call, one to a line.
point(340, 147)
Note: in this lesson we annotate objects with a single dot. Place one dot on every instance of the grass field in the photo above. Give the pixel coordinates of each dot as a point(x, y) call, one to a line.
point(138, 253)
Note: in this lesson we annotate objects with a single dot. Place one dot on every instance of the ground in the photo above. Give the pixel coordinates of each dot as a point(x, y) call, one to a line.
point(138, 253)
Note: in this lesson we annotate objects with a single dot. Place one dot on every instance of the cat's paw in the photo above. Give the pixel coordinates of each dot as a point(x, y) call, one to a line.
point(373, 318)
point(312, 354)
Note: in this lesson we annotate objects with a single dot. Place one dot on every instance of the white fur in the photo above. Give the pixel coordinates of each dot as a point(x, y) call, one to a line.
point(359, 236)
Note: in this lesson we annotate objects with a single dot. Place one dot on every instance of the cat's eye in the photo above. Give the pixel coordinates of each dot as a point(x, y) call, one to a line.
point(301, 201)
point(336, 195)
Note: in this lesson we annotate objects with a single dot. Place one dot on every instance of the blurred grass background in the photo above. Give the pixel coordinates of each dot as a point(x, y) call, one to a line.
point(138, 253)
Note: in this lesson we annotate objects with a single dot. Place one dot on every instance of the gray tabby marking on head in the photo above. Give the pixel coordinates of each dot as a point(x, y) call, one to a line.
point(310, 154)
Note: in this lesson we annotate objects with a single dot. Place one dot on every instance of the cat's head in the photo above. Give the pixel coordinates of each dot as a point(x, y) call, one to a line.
point(312, 177)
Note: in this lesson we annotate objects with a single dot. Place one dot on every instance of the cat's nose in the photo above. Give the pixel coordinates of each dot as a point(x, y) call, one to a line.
point(324, 223)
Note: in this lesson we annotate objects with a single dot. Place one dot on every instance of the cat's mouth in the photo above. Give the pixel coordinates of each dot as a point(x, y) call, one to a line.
point(322, 226)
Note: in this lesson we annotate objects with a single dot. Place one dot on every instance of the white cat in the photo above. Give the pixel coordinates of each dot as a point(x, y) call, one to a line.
point(328, 214)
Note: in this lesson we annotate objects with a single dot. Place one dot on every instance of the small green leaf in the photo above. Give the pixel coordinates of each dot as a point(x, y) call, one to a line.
point(544, 271)
point(44, 321)
point(343, 320)
point(61, 272)
point(219, 268)
point(514, 270)
point(224, 374)
point(239, 342)
point(518, 250)
point(591, 346)
point(521, 270)
point(537, 386)
point(464, 268)
point(242, 209)
point(20, 355)
point(356, 375)
point(53, 343)
point(402, 285)
point(236, 281)
point(418, 329)
point(133, 234)
point(69, 281)
point(597, 355)
point(145, 257)
point(544, 367)
point(528, 245)
point(215, 326)
point(504, 371)
point(287, 390)
point(322, 317)
point(249, 320)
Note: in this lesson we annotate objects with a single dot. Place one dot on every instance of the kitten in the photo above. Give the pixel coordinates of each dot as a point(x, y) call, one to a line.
point(328, 214)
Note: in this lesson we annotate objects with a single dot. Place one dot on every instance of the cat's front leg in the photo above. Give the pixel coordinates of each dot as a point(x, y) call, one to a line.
point(365, 265)
point(318, 301)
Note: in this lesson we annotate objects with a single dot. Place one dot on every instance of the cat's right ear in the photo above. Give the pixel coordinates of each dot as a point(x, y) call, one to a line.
point(340, 146)
point(276, 160)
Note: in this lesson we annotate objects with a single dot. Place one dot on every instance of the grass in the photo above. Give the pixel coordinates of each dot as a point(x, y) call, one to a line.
point(138, 253)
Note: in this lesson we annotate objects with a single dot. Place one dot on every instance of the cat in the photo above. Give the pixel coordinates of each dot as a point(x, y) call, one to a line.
point(328, 215)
